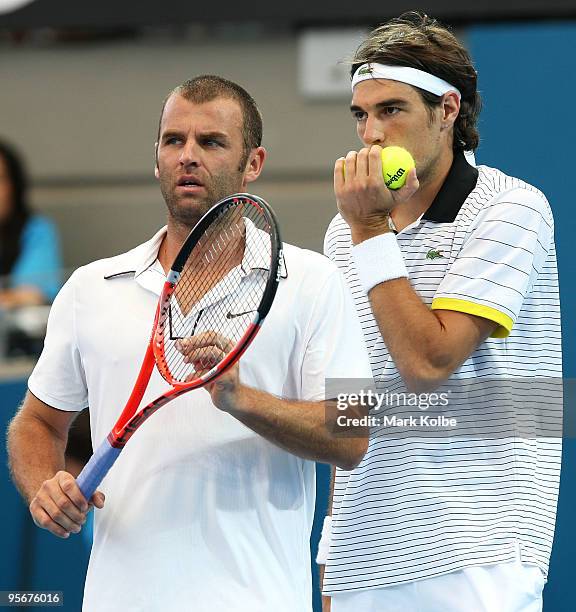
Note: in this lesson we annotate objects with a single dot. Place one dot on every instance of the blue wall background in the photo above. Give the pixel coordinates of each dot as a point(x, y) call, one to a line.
point(528, 130)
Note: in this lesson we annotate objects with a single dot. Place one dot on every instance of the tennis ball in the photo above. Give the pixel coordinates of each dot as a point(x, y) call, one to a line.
point(396, 164)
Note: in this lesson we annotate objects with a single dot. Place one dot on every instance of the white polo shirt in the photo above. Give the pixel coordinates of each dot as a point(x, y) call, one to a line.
point(423, 504)
point(201, 513)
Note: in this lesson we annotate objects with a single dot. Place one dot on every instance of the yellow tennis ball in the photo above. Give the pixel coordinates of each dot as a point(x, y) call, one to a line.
point(396, 164)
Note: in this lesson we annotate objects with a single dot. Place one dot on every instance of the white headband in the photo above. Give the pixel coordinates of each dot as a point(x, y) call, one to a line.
point(411, 76)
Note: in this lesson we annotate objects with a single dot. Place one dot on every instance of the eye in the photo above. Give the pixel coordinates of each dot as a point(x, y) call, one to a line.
point(212, 143)
point(391, 110)
point(171, 140)
point(359, 115)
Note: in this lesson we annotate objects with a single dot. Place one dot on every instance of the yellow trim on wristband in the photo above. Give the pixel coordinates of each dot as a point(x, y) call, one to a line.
point(505, 323)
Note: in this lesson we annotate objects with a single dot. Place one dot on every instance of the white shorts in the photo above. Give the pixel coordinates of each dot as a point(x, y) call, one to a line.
point(506, 587)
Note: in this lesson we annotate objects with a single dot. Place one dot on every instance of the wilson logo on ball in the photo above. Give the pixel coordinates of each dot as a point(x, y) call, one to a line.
point(394, 178)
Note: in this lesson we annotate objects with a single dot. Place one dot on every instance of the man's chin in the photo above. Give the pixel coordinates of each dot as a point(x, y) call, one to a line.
point(189, 211)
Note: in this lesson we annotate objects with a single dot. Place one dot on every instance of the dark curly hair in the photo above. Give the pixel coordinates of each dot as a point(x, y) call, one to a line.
point(418, 41)
point(12, 227)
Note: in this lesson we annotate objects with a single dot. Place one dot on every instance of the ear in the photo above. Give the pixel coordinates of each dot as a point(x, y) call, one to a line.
point(254, 164)
point(156, 172)
point(450, 109)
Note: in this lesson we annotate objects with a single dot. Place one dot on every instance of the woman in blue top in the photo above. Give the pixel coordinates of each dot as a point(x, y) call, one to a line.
point(30, 261)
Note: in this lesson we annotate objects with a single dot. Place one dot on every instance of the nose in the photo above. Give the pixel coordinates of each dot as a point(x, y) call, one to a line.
point(189, 154)
point(372, 132)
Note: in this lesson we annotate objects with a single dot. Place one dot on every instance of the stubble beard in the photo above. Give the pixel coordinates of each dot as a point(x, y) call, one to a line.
point(428, 168)
point(187, 211)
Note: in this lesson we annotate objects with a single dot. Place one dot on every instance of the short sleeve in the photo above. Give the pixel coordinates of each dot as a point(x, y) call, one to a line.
point(501, 257)
point(327, 247)
point(58, 378)
point(337, 234)
point(334, 348)
point(39, 263)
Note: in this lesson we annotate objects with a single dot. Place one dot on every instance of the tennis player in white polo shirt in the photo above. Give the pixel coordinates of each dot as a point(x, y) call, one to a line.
point(454, 278)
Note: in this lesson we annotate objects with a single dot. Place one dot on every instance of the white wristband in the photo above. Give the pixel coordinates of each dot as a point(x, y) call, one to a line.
point(377, 260)
point(324, 544)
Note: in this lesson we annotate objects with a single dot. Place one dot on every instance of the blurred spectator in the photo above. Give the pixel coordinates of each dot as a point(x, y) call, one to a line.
point(30, 261)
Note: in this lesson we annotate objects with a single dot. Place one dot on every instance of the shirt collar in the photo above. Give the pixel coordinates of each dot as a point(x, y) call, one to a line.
point(255, 258)
point(459, 183)
point(139, 259)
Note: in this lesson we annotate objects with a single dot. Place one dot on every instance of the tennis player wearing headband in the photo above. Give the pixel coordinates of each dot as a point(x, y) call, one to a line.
point(454, 278)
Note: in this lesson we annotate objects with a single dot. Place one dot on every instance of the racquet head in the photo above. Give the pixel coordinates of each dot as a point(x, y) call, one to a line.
point(218, 292)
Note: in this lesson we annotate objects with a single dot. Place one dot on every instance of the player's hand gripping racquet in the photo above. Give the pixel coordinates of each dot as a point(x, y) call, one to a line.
point(221, 286)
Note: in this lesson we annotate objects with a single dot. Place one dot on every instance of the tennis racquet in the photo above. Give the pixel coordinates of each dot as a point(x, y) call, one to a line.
point(216, 295)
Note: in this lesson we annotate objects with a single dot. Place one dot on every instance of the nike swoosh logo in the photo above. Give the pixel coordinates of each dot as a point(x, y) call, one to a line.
point(232, 315)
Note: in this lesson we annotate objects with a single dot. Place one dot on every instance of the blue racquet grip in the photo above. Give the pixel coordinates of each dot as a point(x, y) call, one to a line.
point(95, 470)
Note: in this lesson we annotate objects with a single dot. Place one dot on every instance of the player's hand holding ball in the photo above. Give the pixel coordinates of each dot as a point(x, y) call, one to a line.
point(369, 183)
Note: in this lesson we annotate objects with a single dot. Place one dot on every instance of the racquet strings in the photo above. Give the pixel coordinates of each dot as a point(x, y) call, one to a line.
point(220, 288)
